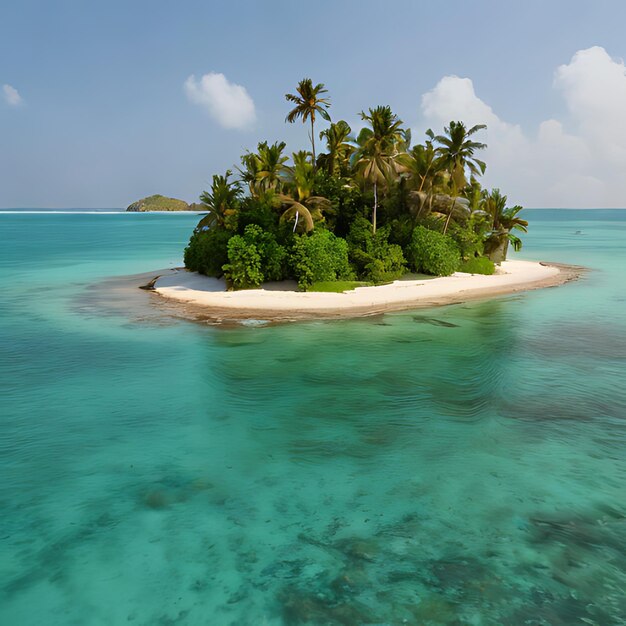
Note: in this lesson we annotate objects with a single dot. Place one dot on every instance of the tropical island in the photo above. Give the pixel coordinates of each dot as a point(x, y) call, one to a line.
point(368, 214)
point(158, 202)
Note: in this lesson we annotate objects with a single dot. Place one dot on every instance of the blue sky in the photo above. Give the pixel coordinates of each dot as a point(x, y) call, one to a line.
point(94, 110)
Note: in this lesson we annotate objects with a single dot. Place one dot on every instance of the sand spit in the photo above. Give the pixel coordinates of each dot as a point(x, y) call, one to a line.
point(207, 299)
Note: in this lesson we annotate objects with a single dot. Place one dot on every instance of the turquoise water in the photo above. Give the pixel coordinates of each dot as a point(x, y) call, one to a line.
point(459, 466)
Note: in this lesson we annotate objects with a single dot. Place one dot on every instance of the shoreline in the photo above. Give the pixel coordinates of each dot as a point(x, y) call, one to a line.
point(201, 298)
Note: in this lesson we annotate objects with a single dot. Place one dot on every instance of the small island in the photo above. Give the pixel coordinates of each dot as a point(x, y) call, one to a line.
point(373, 219)
point(161, 203)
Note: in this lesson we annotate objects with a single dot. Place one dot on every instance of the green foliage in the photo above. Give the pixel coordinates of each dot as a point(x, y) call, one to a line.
point(401, 231)
point(319, 257)
point(259, 211)
point(478, 265)
point(337, 286)
point(470, 236)
point(432, 222)
point(253, 258)
point(222, 202)
point(345, 199)
point(207, 251)
point(367, 207)
point(340, 148)
point(158, 203)
point(244, 267)
point(373, 256)
point(434, 253)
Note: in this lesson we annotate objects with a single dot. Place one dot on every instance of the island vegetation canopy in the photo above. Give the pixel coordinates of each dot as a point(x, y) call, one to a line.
point(366, 210)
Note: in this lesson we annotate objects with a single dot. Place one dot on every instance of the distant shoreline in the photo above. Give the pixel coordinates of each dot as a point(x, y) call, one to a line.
point(205, 299)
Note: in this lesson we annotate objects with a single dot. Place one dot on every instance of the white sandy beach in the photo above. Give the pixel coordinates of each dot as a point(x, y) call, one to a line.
point(281, 301)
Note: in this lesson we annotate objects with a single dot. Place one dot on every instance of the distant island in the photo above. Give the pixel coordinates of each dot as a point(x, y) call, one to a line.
point(162, 203)
point(371, 209)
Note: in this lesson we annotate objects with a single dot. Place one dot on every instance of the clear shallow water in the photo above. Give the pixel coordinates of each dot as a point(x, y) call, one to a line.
point(464, 465)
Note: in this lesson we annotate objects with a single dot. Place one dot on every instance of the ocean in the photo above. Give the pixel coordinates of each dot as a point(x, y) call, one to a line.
point(464, 465)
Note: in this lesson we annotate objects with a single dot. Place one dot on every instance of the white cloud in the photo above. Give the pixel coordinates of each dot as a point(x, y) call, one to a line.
point(229, 104)
point(582, 166)
point(11, 95)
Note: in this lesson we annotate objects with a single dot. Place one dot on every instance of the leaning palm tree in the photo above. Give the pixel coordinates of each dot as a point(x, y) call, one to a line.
point(221, 203)
point(456, 151)
point(308, 104)
point(379, 148)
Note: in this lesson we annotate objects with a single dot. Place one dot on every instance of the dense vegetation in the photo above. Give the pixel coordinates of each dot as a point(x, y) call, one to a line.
point(368, 208)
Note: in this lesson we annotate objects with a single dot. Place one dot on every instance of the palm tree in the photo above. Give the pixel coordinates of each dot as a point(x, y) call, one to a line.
point(424, 169)
point(378, 150)
point(221, 203)
point(504, 220)
point(302, 204)
point(456, 152)
point(263, 171)
point(308, 104)
point(250, 163)
point(337, 159)
point(301, 176)
point(424, 164)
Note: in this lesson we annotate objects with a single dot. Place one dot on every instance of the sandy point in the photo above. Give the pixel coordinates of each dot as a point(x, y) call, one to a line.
point(207, 298)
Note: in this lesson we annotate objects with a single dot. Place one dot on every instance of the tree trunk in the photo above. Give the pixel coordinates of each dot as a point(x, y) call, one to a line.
point(445, 228)
point(313, 144)
point(375, 207)
point(499, 246)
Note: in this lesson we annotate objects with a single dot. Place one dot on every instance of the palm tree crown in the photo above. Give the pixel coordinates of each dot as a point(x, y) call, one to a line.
point(264, 170)
point(339, 148)
point(308, 103)
point(457, 151)
point(221, 202)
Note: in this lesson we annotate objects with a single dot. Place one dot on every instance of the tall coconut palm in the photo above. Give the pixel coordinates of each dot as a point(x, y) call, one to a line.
point(379, 149)
point(308, 103)
point(221, 203)
point(339, 146)
point(456, 151)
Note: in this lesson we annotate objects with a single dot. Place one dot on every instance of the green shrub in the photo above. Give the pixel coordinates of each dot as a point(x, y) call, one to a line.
point(374, 258)
point(478, 265)
point(432, 222)
point(254, 258)
point(273, 255)
point(468, 238)
point(207, 252)
point(244, 267)
point(433, 253)
point(319, 257)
